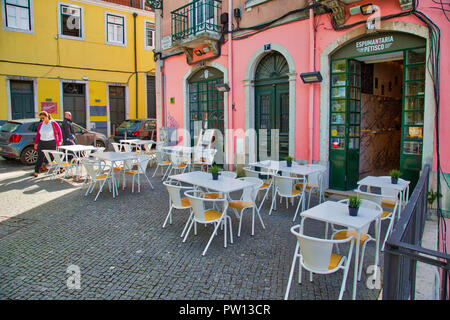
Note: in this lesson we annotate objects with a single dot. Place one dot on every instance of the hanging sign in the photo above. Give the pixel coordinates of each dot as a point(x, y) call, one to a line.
point(50, 107)
point(374, 45)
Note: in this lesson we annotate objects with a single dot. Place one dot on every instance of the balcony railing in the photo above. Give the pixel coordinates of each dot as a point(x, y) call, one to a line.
point(196, 17)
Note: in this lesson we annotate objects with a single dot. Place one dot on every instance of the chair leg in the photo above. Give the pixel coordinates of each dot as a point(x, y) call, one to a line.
point(298, 207)
point(210, 239)
point(99, 191)
point(260, 219)
point(188, 230)
point(167, 218)
point(231, 229)
point(187, 223)
point(344, 279)
point(286, 295)
point(271, 206)
point(361, 260)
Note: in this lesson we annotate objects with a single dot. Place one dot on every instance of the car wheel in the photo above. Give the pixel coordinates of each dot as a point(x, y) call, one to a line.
point(29, 156)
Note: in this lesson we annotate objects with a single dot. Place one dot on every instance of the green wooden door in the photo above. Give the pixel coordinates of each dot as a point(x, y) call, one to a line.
point(345, 119)
point(413, 115)
point(22, 100)
point(272, 113)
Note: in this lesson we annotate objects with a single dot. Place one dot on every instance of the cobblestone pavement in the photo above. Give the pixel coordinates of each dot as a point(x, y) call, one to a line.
point(124, 253)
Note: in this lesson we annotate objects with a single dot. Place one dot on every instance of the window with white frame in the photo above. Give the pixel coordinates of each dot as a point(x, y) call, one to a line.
point(115, 29)
point(149, 36)
point(17, 14)
point(71, 21)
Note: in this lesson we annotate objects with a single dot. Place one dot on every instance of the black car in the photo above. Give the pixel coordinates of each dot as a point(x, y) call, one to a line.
point(17, 139)
point(144, 129)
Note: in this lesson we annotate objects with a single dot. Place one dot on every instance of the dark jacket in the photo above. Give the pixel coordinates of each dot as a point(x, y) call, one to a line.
point(67, 129)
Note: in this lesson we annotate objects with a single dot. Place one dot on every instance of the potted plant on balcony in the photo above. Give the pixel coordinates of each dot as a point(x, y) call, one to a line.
point(353, 205)
point(395, 174)
point(288, 161)
point(215, 172)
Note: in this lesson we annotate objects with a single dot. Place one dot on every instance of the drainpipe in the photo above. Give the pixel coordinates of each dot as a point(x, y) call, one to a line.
point(135, 63)
point(230, 81)
point(312, 44)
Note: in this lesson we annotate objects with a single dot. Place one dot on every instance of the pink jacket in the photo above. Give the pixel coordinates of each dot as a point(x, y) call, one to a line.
point(56, 131)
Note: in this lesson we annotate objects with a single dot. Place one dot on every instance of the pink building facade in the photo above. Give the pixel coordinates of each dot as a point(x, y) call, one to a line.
point(373, 110)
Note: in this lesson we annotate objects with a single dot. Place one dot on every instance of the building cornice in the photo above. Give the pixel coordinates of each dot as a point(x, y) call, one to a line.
point(119, 7)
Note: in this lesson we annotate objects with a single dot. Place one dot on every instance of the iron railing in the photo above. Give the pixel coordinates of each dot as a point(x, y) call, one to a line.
point(403, 249)
point(196, 17)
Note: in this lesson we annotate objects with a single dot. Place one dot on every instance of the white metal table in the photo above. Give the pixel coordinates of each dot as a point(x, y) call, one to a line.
point(114, 157)
point(76, 149)
point(337, 213)
point(276, 166)
point(385, 182)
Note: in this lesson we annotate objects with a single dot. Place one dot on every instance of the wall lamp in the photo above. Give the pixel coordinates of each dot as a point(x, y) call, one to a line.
point(365, 9)
point(311, 77)
point(222, 87)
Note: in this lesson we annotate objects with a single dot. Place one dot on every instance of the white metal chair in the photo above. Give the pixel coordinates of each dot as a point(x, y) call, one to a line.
point(127, 147)
point(178, 164)
point(215, 195)
point(161, 163)
point(315, 183)
point(266, 186)
point(142, 163)
point(382, 200)
point(365, 237)
point(97, 172)
point(248, 201)
point(203, 158)
point(51, 163)
point(208, 216)
point(316, 255)
point(177, 202)
point(229, 174)
point(285, 188)
point(60, 163)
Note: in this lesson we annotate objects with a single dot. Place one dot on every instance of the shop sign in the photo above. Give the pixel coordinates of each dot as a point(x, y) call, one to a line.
point(50, 107)
point(374, 45)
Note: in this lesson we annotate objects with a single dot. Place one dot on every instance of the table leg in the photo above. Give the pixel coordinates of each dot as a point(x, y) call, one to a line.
point(355, 273)
point(377, 247)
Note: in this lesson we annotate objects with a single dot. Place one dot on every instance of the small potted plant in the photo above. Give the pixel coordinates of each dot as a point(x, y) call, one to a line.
point(289, 161)
point(215, 172)
point(353, 205)
point(395, 174)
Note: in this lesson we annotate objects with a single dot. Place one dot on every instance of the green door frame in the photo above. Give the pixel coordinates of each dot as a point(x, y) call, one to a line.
point(412, 123)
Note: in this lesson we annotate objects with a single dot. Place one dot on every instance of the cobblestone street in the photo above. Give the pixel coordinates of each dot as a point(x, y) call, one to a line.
point(124, 253)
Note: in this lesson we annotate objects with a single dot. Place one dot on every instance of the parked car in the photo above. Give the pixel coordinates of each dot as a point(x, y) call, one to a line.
point(17, 139)
point(144, 129)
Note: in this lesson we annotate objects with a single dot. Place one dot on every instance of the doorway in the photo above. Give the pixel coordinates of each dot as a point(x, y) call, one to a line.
point(74, 101)
point(22, 99)
point(272, 107)
point(377, 116)
point(151, 97)
point(116, 106)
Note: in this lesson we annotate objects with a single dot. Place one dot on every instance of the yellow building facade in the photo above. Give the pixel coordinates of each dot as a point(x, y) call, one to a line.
point(83, 56)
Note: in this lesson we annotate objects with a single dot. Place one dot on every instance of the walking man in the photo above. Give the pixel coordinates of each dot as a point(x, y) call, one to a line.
point(67, 129)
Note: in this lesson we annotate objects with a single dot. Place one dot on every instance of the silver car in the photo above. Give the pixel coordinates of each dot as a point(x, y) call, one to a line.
point(17, 139)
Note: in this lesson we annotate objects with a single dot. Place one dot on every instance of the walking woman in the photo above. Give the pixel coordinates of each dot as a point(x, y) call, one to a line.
point(48, 137)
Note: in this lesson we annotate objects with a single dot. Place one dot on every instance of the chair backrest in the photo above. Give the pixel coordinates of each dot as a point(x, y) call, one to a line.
point(47, 154)
point(285, 184)
point(148, 147)
point(142, 162)
point(57, 156)
point(229, 174)
point(317, 177)
point(249, 194)
point(92, 165)
point(316, 252)
point(117, 146)
point(249, 172)
point(175, 192)
point(127, 147)
point(366, 203)
point(197, 201)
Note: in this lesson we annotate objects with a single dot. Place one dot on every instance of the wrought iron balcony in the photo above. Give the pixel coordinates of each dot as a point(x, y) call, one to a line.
point(154, 4)
point(197, 19)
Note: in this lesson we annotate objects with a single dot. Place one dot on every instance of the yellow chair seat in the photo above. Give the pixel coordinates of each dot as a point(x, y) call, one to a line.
point(344, 234)
point(65, 164)
point(385, 214)
point(181, 165)
point(388, 203)
point(300, 185)
point(131, 172)
point(239, 205)
point(101, 177)
point(265, 185)
point(185, 202)
point(296, 192)
point(165, 162)
point(213, 195)
point(211, 215)
point(118, 168)
point(334, 261)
